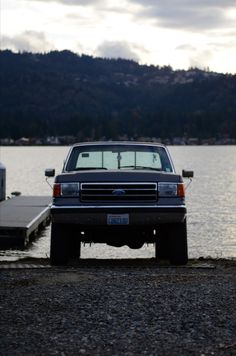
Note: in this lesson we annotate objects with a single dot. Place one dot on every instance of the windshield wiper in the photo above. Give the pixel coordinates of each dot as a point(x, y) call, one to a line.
point(88, 168)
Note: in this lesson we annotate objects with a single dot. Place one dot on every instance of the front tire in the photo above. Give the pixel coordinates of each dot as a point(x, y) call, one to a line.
point(74, 245)
point(59, 249)
point(172, 243)
point(178, 244)
point(162, 246)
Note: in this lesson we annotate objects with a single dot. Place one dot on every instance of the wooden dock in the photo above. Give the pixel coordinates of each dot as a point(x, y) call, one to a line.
point(21, 218)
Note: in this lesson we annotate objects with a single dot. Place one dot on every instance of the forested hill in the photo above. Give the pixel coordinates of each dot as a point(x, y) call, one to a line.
point(61, 93)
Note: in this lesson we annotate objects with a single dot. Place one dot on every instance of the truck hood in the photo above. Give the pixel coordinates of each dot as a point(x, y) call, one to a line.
point(118, 176)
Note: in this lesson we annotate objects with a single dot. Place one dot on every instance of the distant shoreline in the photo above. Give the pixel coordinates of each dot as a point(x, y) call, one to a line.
point(69, 144)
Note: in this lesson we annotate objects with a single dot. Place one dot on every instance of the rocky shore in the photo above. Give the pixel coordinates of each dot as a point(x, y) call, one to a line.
point(118, 307)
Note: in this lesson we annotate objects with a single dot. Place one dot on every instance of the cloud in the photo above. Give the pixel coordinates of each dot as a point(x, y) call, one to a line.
point(185, 47)
point(119, 49)
point(197, 57)
point(187, 14)
point(187, 3)
point(200, 59)
point(73, 2)
point(227, 34)
point(29, 41)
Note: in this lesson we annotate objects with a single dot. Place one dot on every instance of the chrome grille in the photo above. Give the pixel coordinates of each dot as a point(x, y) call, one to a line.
point(118, 192)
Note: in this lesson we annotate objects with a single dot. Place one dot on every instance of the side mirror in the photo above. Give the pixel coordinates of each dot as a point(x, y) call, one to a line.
point(187, 174)
point(50, 172)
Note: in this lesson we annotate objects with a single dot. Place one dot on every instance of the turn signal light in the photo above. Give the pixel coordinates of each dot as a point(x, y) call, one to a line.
point(180, 190)
point(56, 190)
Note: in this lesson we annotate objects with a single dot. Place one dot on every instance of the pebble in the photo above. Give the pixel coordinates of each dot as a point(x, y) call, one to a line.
point(118, 310)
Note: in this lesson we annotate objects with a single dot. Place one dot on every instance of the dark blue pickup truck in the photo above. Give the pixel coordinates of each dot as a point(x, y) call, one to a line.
point(119, 193)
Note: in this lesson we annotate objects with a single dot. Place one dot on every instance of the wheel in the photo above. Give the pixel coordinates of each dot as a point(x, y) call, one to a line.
point(59, 248)
point(162, 249)
point(178, 244)
point(172, 243)
point(74, 246)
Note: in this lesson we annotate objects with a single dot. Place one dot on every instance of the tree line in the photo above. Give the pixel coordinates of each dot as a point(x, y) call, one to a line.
point(62, 93)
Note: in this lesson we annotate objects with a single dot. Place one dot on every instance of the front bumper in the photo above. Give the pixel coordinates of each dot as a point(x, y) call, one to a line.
point(138, 215)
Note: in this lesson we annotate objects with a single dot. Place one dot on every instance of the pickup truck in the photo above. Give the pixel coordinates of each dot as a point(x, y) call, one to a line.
point(119, 193)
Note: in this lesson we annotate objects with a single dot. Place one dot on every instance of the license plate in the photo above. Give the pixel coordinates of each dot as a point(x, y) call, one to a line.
point(118, 219)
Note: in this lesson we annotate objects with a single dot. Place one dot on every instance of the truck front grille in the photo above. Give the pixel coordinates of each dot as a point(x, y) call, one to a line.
point(118, 192)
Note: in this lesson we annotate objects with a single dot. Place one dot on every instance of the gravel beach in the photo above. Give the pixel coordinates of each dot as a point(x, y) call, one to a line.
point(118, 307)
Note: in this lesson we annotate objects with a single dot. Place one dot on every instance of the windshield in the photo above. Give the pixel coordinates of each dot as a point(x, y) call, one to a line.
point(118, 157)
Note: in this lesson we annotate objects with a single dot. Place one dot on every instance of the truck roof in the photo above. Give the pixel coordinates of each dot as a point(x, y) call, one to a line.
point(131, 143)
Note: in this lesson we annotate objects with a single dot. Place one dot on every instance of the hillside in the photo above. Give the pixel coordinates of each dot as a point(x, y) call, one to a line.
point(61, 93)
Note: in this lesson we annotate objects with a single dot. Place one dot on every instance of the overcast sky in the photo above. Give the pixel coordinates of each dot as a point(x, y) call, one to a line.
point(180, 33)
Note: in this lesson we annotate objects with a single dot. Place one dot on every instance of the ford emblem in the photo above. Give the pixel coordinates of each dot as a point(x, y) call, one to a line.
point(118, 192)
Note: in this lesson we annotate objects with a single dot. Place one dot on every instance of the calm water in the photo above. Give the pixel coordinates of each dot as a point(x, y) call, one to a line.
point(210, 198)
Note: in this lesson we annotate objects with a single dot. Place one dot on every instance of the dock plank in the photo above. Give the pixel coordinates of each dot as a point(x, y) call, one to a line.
point(21, 216)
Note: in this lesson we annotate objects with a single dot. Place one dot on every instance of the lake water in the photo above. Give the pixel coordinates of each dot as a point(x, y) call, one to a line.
point(210, 198)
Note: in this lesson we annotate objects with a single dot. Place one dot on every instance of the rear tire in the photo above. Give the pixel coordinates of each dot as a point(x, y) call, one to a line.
point(59, 249)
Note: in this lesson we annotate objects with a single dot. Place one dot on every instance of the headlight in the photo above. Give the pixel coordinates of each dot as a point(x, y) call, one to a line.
point(66, 189)
point(166, 189)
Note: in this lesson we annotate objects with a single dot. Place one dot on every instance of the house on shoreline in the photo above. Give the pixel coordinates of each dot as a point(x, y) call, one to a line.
point(69, 140)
